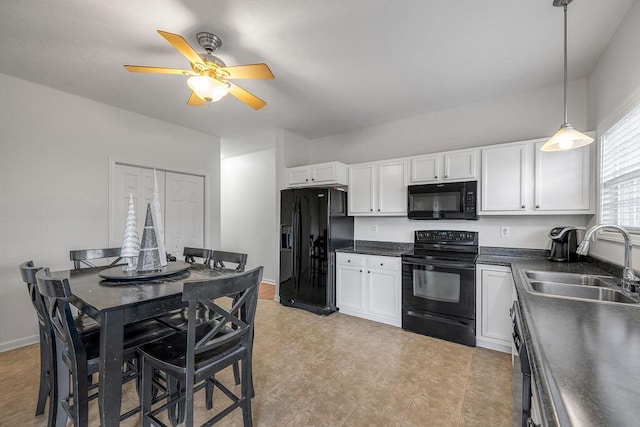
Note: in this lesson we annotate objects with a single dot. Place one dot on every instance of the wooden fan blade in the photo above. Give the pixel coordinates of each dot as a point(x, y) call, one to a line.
point(246, 97)
point(182, 46)
point(195, 100)
point(249, 71)
point(156, 70)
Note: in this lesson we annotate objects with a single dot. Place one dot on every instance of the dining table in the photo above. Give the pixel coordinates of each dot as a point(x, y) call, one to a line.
point(114, 303)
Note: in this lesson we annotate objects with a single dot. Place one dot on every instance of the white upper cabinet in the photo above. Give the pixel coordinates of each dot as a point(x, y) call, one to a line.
point(562, 179)
point(518, 178)
point(378, 188)
point(449, 166)
point(332, 173)
point(504, 176)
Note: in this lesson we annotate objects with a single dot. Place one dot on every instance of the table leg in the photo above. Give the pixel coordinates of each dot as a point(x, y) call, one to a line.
point(110, 391)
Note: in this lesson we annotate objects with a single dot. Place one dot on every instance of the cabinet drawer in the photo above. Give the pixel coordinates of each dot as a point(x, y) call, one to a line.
point(349, 259)
point(384, 262)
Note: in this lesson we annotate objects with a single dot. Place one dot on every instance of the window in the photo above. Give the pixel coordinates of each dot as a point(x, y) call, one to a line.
point(620, 172)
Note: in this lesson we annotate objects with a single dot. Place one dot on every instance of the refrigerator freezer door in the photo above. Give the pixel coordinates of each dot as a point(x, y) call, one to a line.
point(288, 205)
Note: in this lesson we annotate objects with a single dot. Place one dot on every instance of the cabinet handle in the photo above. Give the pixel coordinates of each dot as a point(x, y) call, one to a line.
point(369, 272)
point(348, 260)
point(537, 206)
point(381, 264)
point(446, 176)
point(306, 179)
point(313, 179)
point(378, 209)
point(360, 271)
point(371, 209)
point(523, 206)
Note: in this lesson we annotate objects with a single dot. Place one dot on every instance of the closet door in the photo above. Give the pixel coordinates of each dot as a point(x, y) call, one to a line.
point(139, 183)
point(184, 212)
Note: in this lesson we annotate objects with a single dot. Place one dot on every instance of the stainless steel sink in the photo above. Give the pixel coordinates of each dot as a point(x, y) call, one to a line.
point(583, 286)
point(571, 278)
point(579, 291)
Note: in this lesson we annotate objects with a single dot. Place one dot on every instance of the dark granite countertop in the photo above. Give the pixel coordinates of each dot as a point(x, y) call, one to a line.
point(369, 247)
point(583, 354)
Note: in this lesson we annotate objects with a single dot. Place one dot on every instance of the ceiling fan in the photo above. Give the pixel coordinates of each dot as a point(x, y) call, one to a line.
point(209, 76)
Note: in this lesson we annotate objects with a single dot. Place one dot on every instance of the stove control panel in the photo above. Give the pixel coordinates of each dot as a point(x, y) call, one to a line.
point(444, 236)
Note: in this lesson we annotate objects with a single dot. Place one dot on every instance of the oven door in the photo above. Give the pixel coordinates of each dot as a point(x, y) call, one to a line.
point(439, 286)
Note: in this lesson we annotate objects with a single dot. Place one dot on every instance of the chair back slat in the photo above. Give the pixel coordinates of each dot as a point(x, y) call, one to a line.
point(28, 272)
point(190, 255)
point(220, 257)
point(234, 324)
point(56, 293)
point(84, 256)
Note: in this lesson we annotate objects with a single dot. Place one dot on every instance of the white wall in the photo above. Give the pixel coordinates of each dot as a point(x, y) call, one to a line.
point(613, 80)
point(516, 117)
point(54, 175)
point(248, 208)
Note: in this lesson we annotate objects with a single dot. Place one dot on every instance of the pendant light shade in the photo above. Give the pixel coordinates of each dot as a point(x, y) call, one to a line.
point(566, 137)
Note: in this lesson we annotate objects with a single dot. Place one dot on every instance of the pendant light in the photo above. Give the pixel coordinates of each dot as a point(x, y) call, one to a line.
point(566, 137)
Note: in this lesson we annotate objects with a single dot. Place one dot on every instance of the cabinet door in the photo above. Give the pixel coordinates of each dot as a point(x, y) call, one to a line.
point(362, 181)
point(460, 165)
point(392, 188)
point(425, 168)
point(562, 179)
point(384, 293)
point(323, 173)
point(349, 288)
point(298, 176)
point(504, 175)
point(495, 300)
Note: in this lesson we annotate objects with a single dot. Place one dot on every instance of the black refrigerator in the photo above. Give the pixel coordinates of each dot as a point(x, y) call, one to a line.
point(313, 223)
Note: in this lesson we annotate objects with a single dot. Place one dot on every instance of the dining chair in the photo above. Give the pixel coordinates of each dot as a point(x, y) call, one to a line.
point(85, 256)
point(190, 254)
point(75, 356)
point(194, 356)
point(218, 258)
point(47, 345)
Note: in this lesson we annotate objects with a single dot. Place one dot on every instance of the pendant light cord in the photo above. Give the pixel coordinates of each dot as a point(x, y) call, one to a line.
point(566, 119)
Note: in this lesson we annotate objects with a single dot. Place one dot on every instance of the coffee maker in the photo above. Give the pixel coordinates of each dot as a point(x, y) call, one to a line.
point(563, 244)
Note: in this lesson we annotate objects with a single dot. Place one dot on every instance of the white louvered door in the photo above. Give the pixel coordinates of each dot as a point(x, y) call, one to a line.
point(184, 212)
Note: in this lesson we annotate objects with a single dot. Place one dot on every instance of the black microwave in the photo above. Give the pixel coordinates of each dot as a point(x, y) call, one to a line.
point(450, 200)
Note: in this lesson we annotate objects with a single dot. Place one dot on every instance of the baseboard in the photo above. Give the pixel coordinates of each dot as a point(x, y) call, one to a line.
point(493, 346)
point(269, 281)
point(21, 342)
point(277, 298)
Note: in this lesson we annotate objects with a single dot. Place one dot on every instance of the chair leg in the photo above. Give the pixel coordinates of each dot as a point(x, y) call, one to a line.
point(146, 393)
point(62, 389)
point(175, 412)
point(209, 393)
point(45, 374)
point(81, 397)
point(245, 393)
point(236, 373)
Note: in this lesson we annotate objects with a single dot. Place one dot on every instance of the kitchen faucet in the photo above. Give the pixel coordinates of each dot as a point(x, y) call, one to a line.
point(629, 279)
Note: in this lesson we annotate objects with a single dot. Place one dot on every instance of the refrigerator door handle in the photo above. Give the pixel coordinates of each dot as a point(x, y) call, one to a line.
point(295, 221)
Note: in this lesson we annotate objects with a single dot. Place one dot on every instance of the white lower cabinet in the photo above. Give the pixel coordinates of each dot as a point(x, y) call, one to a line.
point(369, 286)
point(494, 297)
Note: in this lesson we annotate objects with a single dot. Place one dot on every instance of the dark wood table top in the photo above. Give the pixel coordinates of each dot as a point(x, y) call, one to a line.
point(102, 295)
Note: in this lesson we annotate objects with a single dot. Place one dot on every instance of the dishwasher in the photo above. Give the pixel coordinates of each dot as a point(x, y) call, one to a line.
point(525, 408)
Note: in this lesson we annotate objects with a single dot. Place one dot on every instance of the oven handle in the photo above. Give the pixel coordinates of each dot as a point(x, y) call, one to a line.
point(453, 264)
point(439, 319)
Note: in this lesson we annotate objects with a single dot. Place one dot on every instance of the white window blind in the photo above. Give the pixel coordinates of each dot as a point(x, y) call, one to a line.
point(620, 173)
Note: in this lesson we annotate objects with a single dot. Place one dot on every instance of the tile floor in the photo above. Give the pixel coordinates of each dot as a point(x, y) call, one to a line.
point(328, 371)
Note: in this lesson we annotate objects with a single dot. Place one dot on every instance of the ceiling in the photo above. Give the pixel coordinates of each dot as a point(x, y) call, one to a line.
point(339, 65)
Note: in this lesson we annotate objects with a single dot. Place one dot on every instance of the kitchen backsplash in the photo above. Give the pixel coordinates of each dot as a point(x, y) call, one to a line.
point(521, 231)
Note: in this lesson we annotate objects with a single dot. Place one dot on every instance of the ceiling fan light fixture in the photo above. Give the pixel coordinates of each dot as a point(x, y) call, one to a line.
point(208, 88)
point(566, 138)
